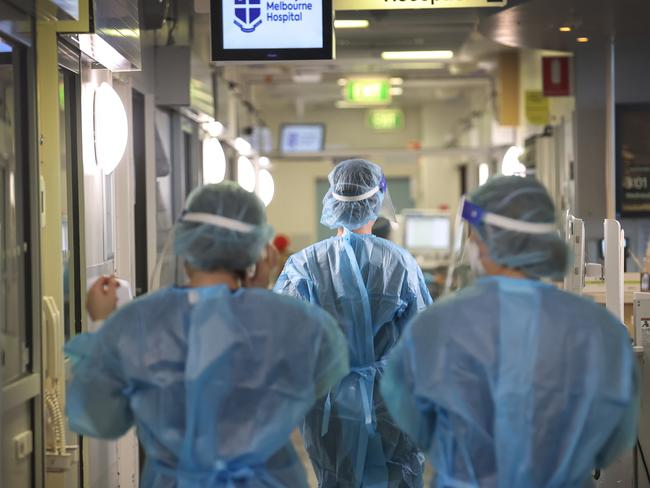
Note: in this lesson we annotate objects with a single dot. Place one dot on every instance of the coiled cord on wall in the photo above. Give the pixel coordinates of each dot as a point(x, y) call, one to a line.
point(57, 420)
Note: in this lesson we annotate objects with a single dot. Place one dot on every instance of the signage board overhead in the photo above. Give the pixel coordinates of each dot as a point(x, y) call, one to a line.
point(415, 4)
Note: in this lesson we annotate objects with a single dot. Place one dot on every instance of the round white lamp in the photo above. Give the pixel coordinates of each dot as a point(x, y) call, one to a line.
point(266, 186)
point(111, 128)
point(214, 161)
point(246, 174)
point(511, 166)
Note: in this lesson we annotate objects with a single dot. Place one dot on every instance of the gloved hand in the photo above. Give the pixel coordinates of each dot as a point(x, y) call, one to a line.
point(101, 299)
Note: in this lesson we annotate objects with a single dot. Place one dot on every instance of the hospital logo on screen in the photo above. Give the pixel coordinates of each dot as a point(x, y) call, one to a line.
point(248, 13)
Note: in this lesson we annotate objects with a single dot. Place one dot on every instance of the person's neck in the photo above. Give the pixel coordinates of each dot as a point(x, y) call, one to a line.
point(366, 229)
point(510, 273)
point(200, 279)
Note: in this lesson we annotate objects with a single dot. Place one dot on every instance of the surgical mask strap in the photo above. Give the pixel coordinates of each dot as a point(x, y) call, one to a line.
point(218, 221)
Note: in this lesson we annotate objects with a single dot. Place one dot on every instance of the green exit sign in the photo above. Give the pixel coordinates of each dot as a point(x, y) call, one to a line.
point(368, 92)
point(386, 119)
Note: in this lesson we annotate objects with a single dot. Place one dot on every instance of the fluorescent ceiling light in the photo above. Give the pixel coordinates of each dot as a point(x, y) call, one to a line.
point(396, 91)
point(130, 33)
point(396, 81)
point(307, 77)
point(344, 104)
point(419, 65)
point(351, 24)
point(416, 55)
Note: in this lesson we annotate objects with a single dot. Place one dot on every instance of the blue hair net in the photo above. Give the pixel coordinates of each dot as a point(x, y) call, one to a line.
point(525, 199)
point(353, 178)
point(211, 247)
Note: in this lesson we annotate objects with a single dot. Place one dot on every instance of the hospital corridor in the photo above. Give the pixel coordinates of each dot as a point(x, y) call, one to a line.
point(324, 244)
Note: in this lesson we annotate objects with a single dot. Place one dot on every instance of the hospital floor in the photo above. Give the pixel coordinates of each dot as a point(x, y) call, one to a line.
point(311, 476)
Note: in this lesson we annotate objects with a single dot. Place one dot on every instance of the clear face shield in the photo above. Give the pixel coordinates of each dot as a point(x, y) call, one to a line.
point(459, 273)
point(465, 263)
point(171, 269)
point(387, 208)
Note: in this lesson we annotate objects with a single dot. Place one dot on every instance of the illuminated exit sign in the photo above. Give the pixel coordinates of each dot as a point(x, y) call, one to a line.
point(368, 92)
point(414, 4)
point(388, 119)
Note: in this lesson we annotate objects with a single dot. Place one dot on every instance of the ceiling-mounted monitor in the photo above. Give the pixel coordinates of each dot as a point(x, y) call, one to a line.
point(271, 30)
point(302, 138)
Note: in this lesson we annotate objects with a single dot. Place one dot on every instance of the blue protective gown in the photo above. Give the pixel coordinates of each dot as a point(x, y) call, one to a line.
point(513, 383)
point(372, 287)
point(214, 380)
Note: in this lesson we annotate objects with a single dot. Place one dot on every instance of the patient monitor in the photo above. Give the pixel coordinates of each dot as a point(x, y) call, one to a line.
point(426, 234)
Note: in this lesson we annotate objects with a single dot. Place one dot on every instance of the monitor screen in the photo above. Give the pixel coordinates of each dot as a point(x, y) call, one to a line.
point(271, 30)
point(302, 138)
point(427, 232)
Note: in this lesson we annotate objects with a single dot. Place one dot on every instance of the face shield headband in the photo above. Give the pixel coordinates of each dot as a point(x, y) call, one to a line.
point(382, 187)
point(476, 216)
point(217, 221)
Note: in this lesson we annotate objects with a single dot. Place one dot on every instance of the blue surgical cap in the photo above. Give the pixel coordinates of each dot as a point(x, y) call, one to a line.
point(525, 199)
point(210, 247)
point(353, 178)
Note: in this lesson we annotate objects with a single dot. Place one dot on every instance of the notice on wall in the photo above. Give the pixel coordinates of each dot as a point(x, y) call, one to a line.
point(556, 76)
point(414, 4)
point(537, 108)
point(273, 24)
point(633, 160)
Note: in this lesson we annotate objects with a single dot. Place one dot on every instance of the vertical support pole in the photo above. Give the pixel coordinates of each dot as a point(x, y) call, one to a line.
point(610, 131)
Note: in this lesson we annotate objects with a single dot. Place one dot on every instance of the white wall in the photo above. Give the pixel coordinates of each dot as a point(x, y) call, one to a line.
point(439, 176)
point(348, 128)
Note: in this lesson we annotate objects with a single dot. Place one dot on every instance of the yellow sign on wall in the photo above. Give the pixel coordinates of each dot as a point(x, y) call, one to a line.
point(537, 108)
point(414, 4)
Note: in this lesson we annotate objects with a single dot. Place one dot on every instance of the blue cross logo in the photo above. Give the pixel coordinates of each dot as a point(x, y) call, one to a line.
point(248, 14)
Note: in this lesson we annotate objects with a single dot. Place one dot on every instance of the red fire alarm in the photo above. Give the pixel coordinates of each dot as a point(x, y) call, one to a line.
point(557, 76)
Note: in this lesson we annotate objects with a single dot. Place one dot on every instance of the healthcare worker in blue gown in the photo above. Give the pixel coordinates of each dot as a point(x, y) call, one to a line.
point(512, 382)
point(215, 375)
point(373, 288)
